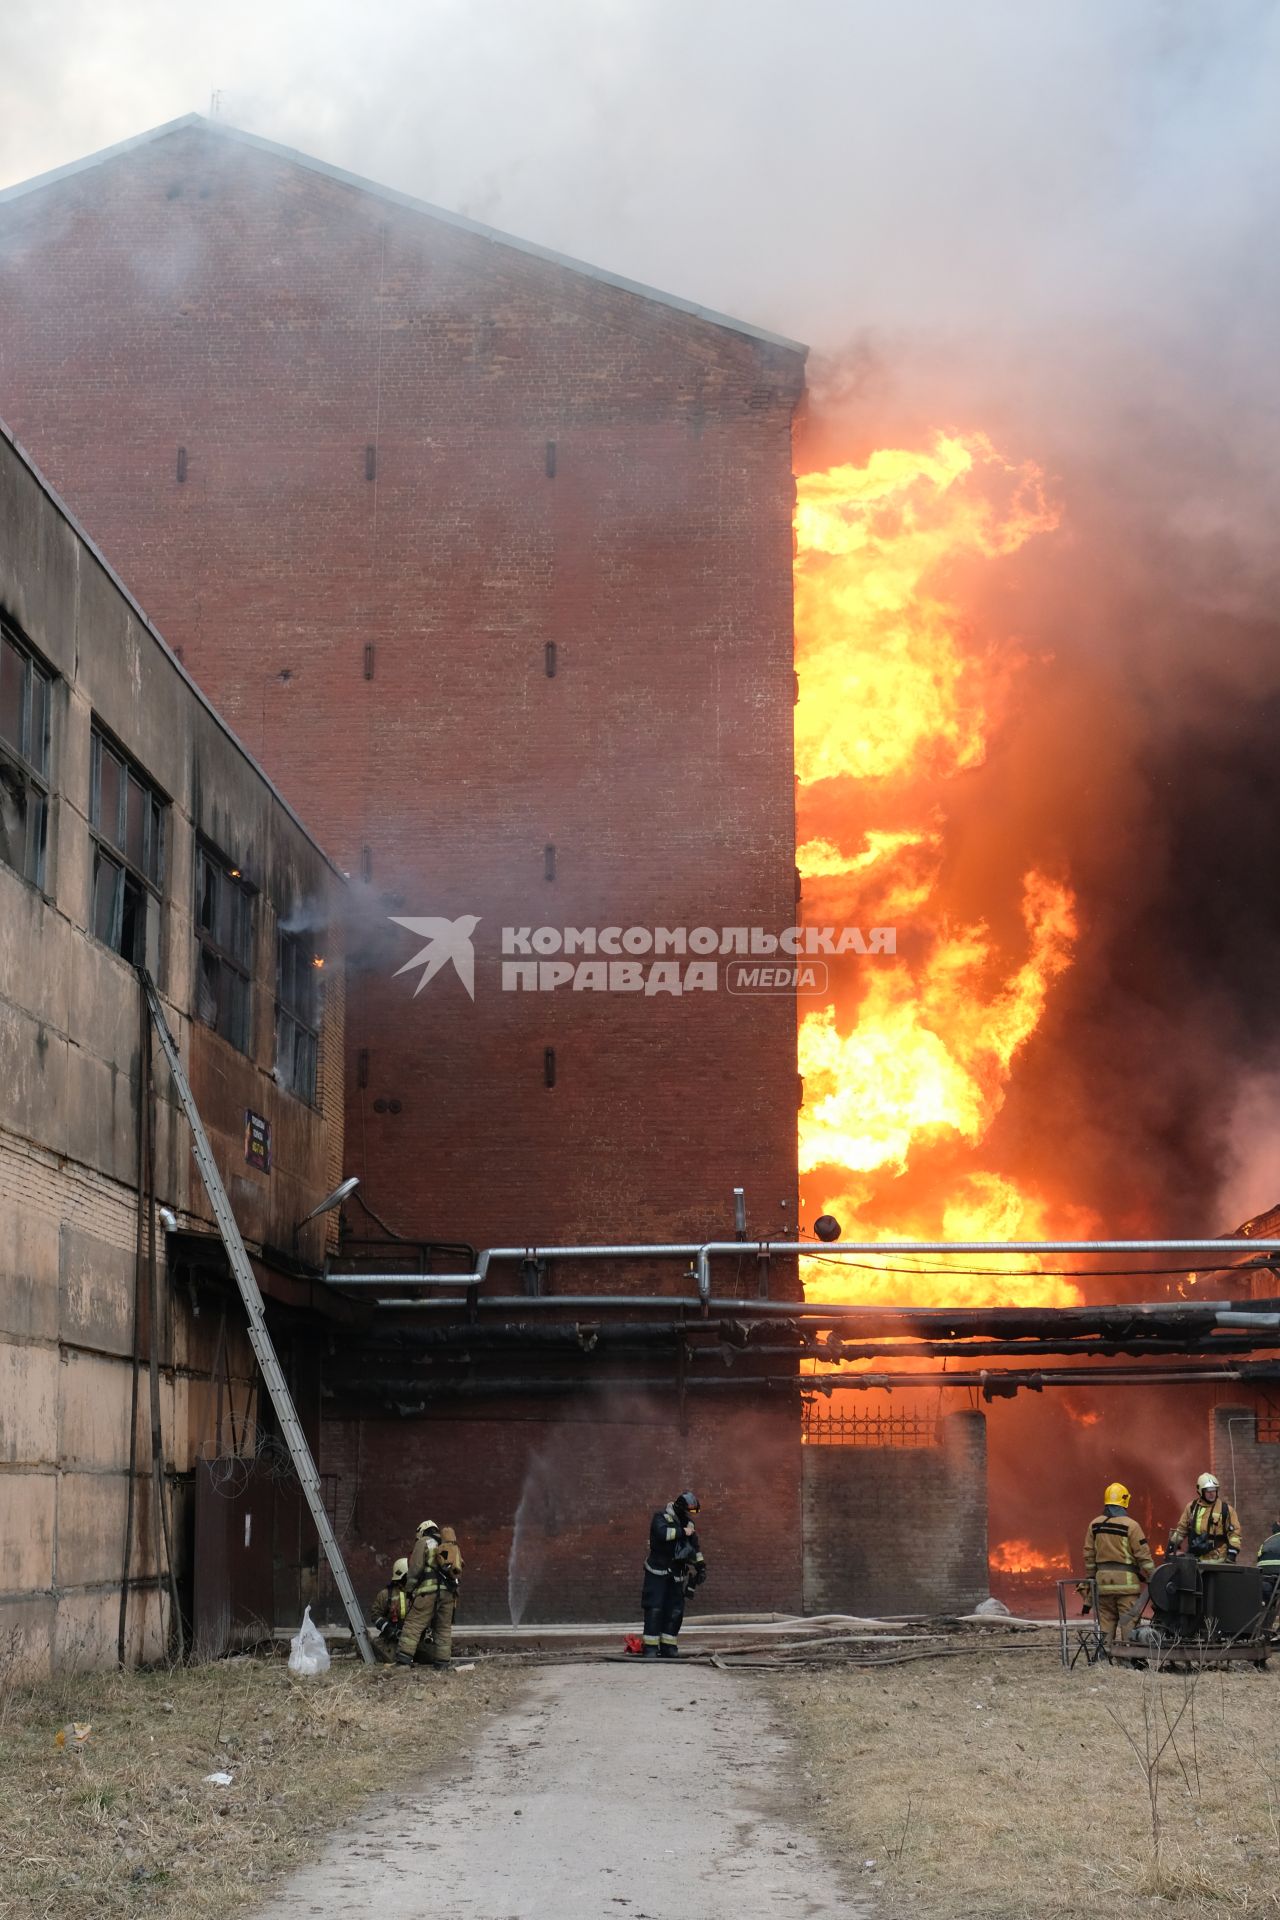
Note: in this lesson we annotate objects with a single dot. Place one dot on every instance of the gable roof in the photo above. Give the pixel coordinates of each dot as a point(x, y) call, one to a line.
point(199, 122)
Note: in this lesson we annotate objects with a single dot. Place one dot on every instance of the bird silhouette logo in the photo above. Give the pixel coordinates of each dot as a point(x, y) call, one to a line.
point(448, 944)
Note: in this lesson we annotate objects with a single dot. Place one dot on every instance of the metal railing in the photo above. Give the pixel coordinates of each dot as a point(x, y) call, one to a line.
point(837, 1428)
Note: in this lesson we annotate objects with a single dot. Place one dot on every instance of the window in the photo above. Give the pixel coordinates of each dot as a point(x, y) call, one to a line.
point(224, 926)
point(297, 1016)
point(127, 817)
point(24, 758)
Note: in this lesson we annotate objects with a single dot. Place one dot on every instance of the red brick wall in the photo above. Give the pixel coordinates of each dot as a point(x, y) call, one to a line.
point(275, 323)
point(898, 1529)
point(1248, 1471)
point(589, 1477)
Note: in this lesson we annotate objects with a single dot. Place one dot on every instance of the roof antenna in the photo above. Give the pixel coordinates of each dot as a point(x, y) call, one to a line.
point(215, 103)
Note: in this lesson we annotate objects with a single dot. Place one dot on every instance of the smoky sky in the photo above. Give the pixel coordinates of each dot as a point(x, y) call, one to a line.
point(1056, 223)
point(824, 168)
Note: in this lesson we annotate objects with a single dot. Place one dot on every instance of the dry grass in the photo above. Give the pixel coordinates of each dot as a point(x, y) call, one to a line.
point(129, 1826)
point(1006, 1788)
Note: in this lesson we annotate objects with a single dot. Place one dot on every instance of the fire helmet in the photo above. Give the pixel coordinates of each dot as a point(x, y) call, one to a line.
point(1116, 1495)
point(686, 1503)
point(400, 1571)
point(428, 1526)
point(1207, 1483)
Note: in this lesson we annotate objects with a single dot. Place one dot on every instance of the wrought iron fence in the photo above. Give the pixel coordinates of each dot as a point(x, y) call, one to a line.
point(837, 1427)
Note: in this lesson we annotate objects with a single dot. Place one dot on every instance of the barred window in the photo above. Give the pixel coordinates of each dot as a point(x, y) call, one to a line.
point(127, 816)
point(24, 757)
point(224, 927)
point(297, 1016)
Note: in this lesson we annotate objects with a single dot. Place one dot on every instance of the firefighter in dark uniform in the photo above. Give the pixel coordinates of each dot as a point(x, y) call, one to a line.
point(1117, 1557)
point(674, 1567)
point(1269, 1560)
point(1207, 1527)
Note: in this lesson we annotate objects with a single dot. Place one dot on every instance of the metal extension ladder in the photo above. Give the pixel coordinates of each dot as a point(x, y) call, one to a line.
point(265, 1353)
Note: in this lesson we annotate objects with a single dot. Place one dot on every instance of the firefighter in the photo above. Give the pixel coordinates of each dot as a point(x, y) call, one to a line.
point(391, 1605)
point(1208, 1528)
point(674, 1566)
point(1269, 1560)
point(392, 1602)
point(1117, 1556)
point(421, 1586)
point(448, 1572)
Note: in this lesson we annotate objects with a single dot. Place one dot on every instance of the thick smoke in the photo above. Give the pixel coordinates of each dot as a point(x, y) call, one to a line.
point(1054, 224)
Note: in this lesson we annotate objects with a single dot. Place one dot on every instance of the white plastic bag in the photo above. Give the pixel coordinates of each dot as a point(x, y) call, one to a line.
point(307, 1650)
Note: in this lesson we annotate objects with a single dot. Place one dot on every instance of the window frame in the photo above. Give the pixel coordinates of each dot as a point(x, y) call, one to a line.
point(231, 965)
point(300, 1023)
point(34, 776)
point(147, 880)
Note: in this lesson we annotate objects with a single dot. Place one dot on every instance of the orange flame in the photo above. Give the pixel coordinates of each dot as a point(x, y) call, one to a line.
point(889, 681)
point(1019, 1556)
point(896, 696)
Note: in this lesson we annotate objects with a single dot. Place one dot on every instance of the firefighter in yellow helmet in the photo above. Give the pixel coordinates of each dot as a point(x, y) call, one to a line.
point(422, 1586)
point(390, 1607)
point(1117, 1556)
point(1207, 1528)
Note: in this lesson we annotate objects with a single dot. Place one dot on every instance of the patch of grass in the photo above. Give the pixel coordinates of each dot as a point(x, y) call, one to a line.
point(1007, 1788)
point(129, 1825)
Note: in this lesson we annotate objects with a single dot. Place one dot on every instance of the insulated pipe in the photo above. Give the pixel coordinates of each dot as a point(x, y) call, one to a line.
point(816, 1311)
point(1216, 1245)
point(403, 1280)
point(701, 1254)
point(1232, 1319)
point(670, 1250)
point(995, 1385)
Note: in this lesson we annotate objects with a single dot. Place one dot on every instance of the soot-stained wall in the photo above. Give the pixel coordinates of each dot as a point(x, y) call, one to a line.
point(898, 1529)
point(1248, 1471)
point(552, 1506)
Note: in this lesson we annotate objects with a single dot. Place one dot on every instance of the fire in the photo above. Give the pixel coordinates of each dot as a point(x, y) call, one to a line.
point(928, 1052)
point(1019, 1556)
point(898, 695)
point(890, 682)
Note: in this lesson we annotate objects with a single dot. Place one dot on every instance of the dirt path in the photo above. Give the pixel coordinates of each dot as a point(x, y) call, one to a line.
point(647, 1793)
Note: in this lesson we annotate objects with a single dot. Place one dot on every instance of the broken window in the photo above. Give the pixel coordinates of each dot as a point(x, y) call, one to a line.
point(127, 817)
point(297, 1015)
point(24, 758)
point(224, 928)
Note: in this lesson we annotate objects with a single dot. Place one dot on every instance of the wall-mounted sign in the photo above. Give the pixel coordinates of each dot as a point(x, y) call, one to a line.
point(257, 1141)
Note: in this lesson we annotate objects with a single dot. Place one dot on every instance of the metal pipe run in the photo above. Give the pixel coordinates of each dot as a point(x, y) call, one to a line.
point(992, 1385)
point(702, 1265)
point(826, 1313)
point(764, 1250)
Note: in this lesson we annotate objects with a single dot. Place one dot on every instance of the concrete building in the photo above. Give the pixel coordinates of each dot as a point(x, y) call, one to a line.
point(135, 829)
point(486, 554)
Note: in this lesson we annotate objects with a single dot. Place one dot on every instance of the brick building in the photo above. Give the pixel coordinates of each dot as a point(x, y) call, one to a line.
point(486, 555)
point(135, 830)
point(930, 1475)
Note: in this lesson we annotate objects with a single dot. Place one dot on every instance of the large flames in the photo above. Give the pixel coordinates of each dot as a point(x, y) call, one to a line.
point(1020, 1557)
point(898, 696)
